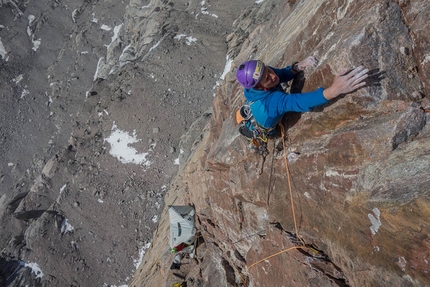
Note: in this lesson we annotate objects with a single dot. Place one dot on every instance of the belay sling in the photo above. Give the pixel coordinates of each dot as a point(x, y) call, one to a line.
point(255, 134)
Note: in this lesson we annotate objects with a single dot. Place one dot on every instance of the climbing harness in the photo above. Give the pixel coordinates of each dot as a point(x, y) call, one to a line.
point(254, 133)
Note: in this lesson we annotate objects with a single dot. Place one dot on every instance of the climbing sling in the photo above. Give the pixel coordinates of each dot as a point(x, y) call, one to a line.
point(254, 133)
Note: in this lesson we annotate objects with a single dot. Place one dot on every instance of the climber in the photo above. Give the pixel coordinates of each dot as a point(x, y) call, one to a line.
point(269, 102)
point(180, 252)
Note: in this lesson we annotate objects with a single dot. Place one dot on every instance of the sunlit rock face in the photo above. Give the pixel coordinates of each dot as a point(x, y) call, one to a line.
point(359, 166)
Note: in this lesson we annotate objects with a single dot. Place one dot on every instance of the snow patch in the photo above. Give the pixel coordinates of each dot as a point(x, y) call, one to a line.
point(2, 51)
point(74, 14)
point(204, 10)
point(18, 79)
point(259, 1)
point(155, 46)
point(227, 67)
point(105, 27)
point(120, 142)
point(62, 188)
point(110, 285)
point(36, 44)
point(115, 34)
point(66, 227)
point(30, 19)
point(155, 219)
point(188, 39)
point(24, 93)
point(35, 269)
point(121, 57)
point(142, 251)
point(94, 20)
point(375, 220)
point(99, 65)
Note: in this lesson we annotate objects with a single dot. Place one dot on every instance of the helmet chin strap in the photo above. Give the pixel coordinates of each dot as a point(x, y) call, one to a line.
point(260, 87)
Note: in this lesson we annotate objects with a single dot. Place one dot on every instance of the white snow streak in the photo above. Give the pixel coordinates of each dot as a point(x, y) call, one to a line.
point(189, 39)
point(142, 251)
point(62, 188)
point(227, 67)
point(2, 51)
point(376, 222)
point(115, 34)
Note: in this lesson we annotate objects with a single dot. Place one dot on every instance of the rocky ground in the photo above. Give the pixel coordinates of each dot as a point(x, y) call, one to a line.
point(76, 78)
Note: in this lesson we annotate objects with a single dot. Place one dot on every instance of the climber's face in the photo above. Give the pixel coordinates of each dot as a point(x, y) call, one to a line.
point(269, 79)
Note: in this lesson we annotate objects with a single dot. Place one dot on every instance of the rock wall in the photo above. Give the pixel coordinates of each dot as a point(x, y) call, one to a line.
point(359, 166)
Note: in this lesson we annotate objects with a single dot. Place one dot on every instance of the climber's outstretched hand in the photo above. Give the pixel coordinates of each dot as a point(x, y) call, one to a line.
point(345, 82)
point(310, 61)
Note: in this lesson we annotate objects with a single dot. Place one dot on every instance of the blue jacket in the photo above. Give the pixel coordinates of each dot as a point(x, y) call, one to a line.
point(268, 107)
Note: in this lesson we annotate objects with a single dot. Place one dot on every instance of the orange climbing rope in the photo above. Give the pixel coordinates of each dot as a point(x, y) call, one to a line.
point(289, 183)
point(292, 207)
point(273, 255)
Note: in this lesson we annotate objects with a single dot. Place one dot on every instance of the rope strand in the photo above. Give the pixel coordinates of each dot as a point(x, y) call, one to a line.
point(292, 208)
point(289, 184)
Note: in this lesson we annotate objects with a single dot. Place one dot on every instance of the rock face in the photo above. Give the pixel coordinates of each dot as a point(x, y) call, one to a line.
point(358, 176)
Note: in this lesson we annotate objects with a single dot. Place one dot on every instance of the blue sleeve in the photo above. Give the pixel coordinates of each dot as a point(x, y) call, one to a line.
point(281, 103)
point(284, 74)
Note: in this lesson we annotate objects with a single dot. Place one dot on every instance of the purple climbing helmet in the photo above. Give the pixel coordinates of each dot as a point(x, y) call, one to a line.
point(250, 73)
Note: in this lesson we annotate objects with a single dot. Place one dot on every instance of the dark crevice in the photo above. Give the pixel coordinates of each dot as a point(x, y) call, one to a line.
point(229, 272)
point(239, 256)
point(316, 258)
point(210, 222)
point(241, 216)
